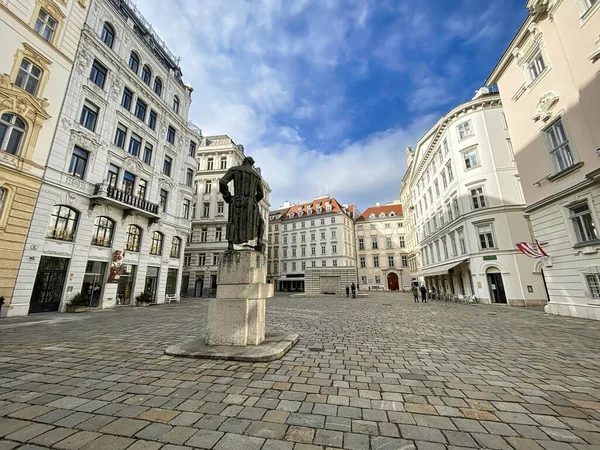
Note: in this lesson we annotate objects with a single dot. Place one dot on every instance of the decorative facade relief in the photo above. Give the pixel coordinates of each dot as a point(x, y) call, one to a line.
point(543, 110)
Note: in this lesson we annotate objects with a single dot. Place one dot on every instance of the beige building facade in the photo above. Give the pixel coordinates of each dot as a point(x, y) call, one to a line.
point(409, 214)
point(549, 80)
point(274, 250)
point(382, 252)
point(39, 41)
point(469, 208)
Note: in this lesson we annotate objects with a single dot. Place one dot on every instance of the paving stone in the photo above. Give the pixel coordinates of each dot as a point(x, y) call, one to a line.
point(153, 431)
point(185, 419)
point(30, 412)
point(29, 432)
point(490, 441)
point(276, 416)
point(158, 415)
point(365, 427)
point(442, 423)
point(300, 434)
point(205, 439)
point(8, 445)
point(177, 435)
point(233, 425)
point(68, 402)
point(107, 441)
point(418, 433)
point(267, 430)
point(77, 440)
point(124, 427)
point(51, 437)
point(523, 444)
point(422, 445)
point(277, 445)
point(145, 445)
point(307, 420)
point(386, 443)
point(8, 426)
point(459, 438)
point(239, 442)
point(329, 438)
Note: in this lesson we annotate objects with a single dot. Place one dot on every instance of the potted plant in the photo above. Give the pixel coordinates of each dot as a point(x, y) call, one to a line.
point(144, 299)
point(78, 304)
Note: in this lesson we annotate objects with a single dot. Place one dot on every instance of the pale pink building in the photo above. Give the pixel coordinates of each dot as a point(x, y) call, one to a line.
point(549, 81)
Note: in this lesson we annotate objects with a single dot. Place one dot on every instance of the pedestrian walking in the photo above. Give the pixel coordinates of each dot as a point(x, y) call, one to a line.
point(415, 292)
point(423, 294)
point(353, 288)
point(347, 291)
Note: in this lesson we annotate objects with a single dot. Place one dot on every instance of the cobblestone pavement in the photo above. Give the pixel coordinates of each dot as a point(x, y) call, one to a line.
point(381, 373)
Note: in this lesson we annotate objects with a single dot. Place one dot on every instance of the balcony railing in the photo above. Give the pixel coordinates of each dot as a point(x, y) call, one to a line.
point(105, 191)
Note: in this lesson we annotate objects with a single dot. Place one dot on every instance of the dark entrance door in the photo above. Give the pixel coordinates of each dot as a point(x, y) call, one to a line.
point(392, 281)
point(49, 284)
point(199, 286)
point(497, 287)
point(151, 282)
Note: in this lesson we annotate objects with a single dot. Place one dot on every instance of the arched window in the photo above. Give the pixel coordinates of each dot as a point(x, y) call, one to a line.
point(29, 76)
point(158, 86)
point(12, 132)
point(134, 238)
point(103, 231)
point(175, 247)
point(108, 34)
point(134, 62)
point(146, 74)
point(156, 243)
point(63, 223)
point(176, 104)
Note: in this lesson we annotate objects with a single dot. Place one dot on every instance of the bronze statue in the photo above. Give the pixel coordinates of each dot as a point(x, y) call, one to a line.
point(245, 222)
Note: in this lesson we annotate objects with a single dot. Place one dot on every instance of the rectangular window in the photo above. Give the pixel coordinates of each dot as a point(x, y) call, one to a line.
point(593, 282)
point(79, 160)
point(220, 209)
point(126, 99)
point(450, 173)
point(293, 252)
point(28, 77)
point(334, 263)
point(120, 136)
point(453, 244)
point(390, 261)
point(186, 208)
point(189, 177)
point(437, 188)
point(536, 66)
point(560, 149)
point(171, 135)
point(209, 164)
point(470, 158)
point(223, 162)
point(388, 242)
point(334, 249)
point(140, 110)
point(164, 196)
point(192, 151)
point(293, 267)
point(303, 251)
point(374, 242)
point(113, 175)
point(478, 198)
point(486, 237)
point(583, 222)
point(141, 190)
point(148, 154)
point(204, 235)
point(404, 261)
point(135, 145)
point(456, 208)
point(89, 116)
point(128, 183)
point(377, 279)
point(324, 263)
point(313, 250)
point(402, 242)
point(363, 262)
point(323, 249)
point(461, 241)
point(167, 163)
point(207, 186)
point(445, 248)
point(444, 180)
point(361, 244)
point(333, 234)
point(333, 220)
point(437, 250)
point(152, 119)
point(98, 74)
point(45, 25)
point(445, 147)
point(375, 261)
point(465, 130)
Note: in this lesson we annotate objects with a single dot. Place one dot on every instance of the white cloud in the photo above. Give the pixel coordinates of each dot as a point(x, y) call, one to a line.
point(249, 71)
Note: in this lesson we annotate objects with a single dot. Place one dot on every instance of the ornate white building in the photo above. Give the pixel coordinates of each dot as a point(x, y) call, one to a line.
point(119, 183)
point(275, 249)
point(315, 234)
point(549, 84)
point(38, 42)
point(469, 207)
point(408, 209)
point(381, 248)
point(215, 155)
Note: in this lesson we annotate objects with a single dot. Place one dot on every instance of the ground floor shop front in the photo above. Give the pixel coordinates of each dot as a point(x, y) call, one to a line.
point(509, 277)
point(95, 254)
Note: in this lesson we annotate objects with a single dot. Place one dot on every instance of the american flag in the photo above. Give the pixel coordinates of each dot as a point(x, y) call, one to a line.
point(532, 250)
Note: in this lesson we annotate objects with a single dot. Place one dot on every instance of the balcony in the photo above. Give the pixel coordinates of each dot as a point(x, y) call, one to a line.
point(130, 204)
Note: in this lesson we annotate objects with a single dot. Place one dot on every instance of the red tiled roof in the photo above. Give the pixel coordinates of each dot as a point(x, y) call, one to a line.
point(335, 207)
point(377, 210)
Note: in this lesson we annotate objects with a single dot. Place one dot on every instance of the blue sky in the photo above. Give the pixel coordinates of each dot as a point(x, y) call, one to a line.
point(327, 94)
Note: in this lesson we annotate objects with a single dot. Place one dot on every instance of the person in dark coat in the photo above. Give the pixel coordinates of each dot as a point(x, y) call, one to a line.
point(347, 291)
point(423, 294)
point(353, 288)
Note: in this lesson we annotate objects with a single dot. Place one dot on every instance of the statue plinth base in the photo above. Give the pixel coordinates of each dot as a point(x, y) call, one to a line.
point(237, 315)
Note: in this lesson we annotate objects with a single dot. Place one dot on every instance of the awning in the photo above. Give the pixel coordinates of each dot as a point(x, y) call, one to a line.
point(439, 270)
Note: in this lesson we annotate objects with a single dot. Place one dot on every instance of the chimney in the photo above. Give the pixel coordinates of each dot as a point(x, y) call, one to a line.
point(378, 204)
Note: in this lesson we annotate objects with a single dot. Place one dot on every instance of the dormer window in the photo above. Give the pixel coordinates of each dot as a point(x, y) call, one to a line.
point(392, 214)
point(372, 216)
point(292, 215)
point(382, 215)
point(300, 213)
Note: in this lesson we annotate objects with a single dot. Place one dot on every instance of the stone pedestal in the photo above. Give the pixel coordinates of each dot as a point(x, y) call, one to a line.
point(237, 315)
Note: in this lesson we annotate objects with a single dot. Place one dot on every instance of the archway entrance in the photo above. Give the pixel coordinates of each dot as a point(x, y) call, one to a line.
point(199, 287)
point(496, 284)
point(392, 282)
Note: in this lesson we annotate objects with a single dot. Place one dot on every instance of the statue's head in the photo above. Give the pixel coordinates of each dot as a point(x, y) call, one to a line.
point(249, 160)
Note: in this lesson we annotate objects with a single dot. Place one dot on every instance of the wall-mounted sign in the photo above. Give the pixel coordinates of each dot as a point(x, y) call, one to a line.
point(490, 258)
